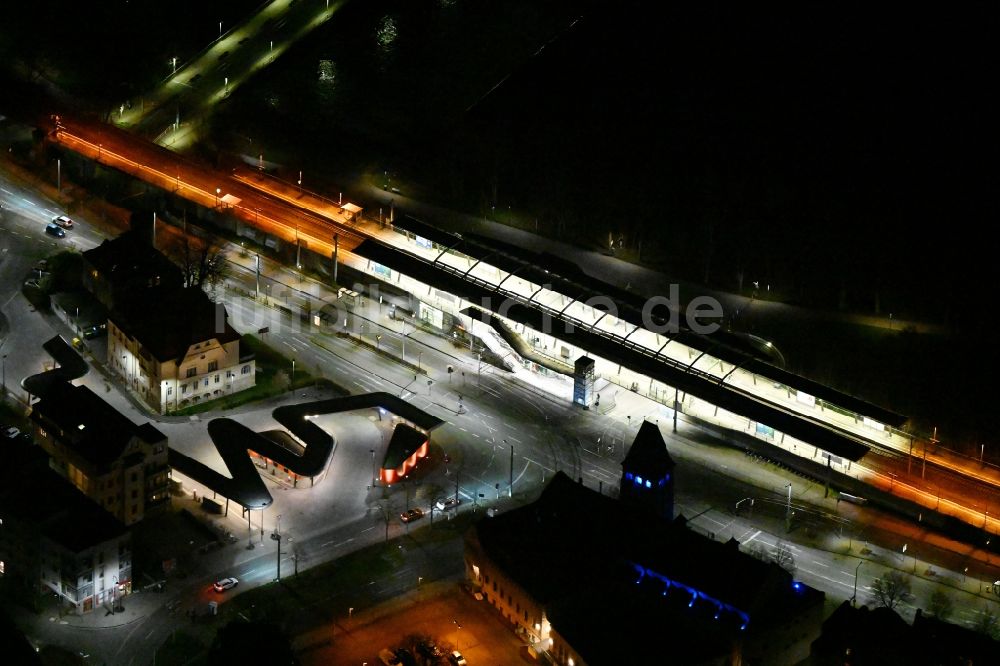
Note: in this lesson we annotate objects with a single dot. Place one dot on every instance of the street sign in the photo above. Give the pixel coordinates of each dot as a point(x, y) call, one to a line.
point(262, 331)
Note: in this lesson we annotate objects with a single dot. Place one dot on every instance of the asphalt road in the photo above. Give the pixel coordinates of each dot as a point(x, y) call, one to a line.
point(341, 514)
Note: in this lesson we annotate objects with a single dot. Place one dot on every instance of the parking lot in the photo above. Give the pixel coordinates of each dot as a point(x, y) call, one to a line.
point(445, 613)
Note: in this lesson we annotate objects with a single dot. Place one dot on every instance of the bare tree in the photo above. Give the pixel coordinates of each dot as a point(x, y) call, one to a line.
point(281, 381)
point(890, 590)
point(781, 555)
point(987, 623)
point(202, 260)
point(941, 605)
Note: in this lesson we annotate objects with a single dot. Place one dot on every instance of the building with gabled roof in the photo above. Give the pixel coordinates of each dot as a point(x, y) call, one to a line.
point(175, 347)
point(119, 465)
point(54, 539)
point(594, 580)
point(127, 266)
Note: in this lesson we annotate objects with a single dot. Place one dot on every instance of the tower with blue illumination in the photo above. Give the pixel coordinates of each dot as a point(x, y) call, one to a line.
point(648, 472)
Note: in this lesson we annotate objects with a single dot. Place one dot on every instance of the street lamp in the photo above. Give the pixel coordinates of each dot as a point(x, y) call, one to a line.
point(220, 29)
point(854, 597)
point(788, 509)
point(174, 60)
point(218, 191)
point(510, 488)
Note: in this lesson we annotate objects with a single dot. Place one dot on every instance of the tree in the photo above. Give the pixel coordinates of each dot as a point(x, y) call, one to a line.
point(941, 605)
point(781, 555)
point(891, 589)
point(987, 623)
point(282, 380)
point(202, 260)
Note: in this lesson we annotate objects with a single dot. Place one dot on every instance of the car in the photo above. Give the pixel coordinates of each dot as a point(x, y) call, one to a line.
point(388, 657)
point(446, 503)
point(54, 229)
point(225, 584)
point(10, 432)
point(457, 659)
point(95, 331)
point(429, 650)
point(63, 222)
point(411, 515)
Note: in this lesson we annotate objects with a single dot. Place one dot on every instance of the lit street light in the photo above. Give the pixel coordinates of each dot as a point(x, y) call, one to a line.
point(854, 597)
point(510, 488)
point(218, 191)
point(174, 61)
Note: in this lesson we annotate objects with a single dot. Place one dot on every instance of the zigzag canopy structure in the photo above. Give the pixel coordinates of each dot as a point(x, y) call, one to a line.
point(233, 440)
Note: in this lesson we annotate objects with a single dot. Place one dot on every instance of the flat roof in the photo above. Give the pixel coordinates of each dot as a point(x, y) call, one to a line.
point(232, 440)
point(694, 382)
point(569, 279)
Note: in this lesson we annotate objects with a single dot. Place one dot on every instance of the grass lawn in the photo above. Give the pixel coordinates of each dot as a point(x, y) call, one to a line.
point(274, 377)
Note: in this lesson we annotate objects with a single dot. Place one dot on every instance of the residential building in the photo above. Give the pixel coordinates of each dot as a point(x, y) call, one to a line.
point(175, 347)
point(54, 539)
point(593, 580)
point(119, 465)
point(127, 266)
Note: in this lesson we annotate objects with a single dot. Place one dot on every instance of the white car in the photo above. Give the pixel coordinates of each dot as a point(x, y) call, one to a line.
point(63, 222)
point(446, 503)
point(225, 584)
point(457, 659)
point(11, 432)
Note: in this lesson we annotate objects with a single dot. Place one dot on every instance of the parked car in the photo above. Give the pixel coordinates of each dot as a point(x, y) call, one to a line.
point(411, 515)
point(457, 659)
point(95, 331)
point(53, 229)
point(446, 503)
point(10, 432)
point(225, 584)
point(388, 657)
point(429, 650)
point(63, 222)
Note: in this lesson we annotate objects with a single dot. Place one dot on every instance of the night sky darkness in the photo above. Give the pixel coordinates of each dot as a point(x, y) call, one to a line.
point(843, 154)
point(832, 151)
